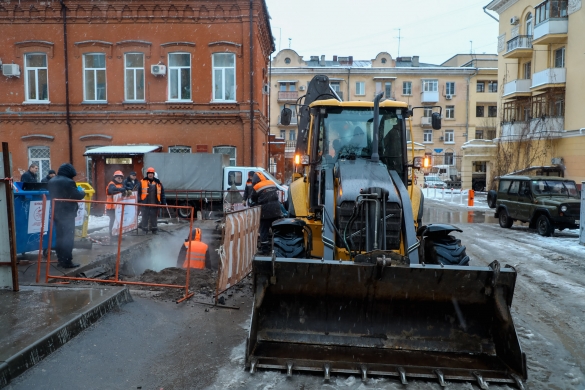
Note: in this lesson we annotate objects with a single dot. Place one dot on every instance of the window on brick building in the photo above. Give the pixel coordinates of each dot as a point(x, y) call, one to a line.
point(134, 77)
point(224, 77)
point(94, 77)
point(360, 88)
point(407, 88)
point(480, 86)
point(449, 137)
point(479, 111)
point(448, 158)
point(40, 155)
point(450, 88)
point(428, 136)
point(229, 150)
point(450, 112)
point(180, 77)
point(179, 149)
point(36, 80)
point(492, 111)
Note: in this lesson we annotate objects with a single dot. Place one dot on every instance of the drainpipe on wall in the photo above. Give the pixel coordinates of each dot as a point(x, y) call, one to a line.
point(67, 111)
point(269, 107)
point(252, 80)
point(348, 77)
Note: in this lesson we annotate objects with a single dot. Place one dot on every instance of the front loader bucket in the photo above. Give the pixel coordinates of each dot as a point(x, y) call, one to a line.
point(416, 321)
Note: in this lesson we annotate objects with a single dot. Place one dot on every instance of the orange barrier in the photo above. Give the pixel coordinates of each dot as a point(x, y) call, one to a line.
point(470, 198)
point(240, 239)
point(116, 280)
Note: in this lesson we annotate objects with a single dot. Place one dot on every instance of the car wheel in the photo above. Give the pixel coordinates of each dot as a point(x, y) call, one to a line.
point(491, 199)
point(544, 227)
point(505, 220)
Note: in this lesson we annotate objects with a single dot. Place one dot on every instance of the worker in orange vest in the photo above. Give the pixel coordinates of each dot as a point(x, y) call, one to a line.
point(150, 191)
point(265, 194)
point(199, 253)
point(114, 187)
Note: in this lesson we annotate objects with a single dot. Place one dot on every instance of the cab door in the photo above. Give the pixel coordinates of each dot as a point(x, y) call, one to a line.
point(512, 203)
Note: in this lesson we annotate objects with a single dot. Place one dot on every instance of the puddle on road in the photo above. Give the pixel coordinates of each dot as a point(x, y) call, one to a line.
point(438, 215)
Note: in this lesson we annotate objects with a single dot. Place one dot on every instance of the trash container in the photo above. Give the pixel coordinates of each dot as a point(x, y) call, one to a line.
point(28, 208)
point(82, 218)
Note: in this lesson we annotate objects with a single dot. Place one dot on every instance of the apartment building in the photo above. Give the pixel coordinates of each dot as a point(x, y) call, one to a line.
point(540, 46)
point(464, 88)
point(186, 76)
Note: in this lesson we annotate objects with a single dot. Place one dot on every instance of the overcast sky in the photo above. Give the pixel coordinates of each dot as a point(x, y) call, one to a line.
point(435, 30)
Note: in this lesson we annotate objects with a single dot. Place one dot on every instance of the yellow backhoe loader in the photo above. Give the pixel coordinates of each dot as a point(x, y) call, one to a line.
point(356, 284)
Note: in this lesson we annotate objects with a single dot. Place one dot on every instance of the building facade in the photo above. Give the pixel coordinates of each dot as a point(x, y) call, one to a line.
point(464, 87)
point(540, 46)
point(185, 75)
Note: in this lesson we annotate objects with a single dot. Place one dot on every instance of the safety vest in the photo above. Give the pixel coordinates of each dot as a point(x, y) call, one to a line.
point(144, 193)
point(263, 183)
point(198, 251)
point(110, 198)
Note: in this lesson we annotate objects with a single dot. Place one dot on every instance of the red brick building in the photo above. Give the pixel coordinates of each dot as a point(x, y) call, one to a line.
point(179, 74)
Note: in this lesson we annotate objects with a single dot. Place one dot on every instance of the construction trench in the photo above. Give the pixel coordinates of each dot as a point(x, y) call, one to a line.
point(194, 345)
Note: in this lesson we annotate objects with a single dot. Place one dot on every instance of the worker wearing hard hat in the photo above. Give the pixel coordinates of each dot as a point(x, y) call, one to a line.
point(265, 194)
point(150, 191)
point(199, 257)
point(114, 187)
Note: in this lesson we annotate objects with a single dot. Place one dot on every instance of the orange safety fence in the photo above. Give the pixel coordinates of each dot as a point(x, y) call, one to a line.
point(240, 239)
point(116, 279)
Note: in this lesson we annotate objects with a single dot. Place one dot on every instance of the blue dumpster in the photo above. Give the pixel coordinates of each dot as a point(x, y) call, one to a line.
point(28, 202)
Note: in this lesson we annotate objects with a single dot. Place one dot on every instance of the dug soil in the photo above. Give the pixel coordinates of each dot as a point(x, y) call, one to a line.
point(200, 281)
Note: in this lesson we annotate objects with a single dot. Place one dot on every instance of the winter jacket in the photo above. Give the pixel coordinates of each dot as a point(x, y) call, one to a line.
point(62, 186)
point(46, 179)
point(248, 189)
point(130, 184)
point(265, 194)
point(112, 189)
point(29, 177)
point(143, 195)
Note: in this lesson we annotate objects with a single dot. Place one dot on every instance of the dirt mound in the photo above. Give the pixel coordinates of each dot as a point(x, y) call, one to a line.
point(201, 280)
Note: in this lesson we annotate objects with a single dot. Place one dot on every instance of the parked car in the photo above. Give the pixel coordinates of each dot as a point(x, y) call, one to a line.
point(545, 202)
point(434, 181)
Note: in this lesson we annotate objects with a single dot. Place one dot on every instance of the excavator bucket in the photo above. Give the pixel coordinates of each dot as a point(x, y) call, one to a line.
point(445, 323)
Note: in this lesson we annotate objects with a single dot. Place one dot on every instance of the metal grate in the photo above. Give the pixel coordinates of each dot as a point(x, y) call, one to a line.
point(42, 156)
point(179, 149)
point(229, 150)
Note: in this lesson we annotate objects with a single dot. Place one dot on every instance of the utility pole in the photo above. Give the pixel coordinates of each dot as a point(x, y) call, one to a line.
point(399, 39)
point(289, 42)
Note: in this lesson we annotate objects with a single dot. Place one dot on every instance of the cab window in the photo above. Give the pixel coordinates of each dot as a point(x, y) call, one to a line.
point(514, 187)
point(235, 177)
point(524, 188)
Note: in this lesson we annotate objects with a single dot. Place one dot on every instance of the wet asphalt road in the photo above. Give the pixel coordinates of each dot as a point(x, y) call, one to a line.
point(150, 344)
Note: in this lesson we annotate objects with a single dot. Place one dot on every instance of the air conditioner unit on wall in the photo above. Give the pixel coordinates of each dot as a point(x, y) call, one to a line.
point(557, 160)
point(514, 20)
point(158, 70)
point(441, 138)
point(11, 70)
point(302, 88)
point(448, 97)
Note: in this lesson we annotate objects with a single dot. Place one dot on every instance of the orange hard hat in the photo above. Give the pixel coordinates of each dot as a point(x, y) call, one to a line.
point(150, 169)
point(118, 173)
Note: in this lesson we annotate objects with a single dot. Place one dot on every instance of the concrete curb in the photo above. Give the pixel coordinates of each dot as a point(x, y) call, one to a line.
point(37, 351)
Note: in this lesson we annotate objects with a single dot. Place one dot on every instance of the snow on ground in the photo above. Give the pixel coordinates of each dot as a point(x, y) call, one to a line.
point(457, 197)
point(96, 222)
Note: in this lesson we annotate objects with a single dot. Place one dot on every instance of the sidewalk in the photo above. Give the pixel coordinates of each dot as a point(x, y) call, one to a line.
point(39, 319)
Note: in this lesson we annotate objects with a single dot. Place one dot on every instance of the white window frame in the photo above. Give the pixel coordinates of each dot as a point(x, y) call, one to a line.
point(360, 88)
point(449, 112)
point(180, 149)
point(427, 112)
point(563, 53)
point(428, 136)
point(134, 71)
point(450, 88)
point(43, 171)
point(430, 85)
point(407, 88)
point(216, 149)
point(449, 137)
point(292, 135)
point(283, 134)
point(223, 78)
point(479, 89)
point(491, 85)
point(27, 80)
point(178, 68)
point(95, 79)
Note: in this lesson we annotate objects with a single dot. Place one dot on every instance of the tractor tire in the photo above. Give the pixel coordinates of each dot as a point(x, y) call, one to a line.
point(289, 245)
point(504, 219)
point(445, 250)
point(544, 227)
point(491, 199)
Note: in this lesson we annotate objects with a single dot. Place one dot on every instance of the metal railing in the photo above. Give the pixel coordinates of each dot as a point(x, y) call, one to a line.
point(288, 95)
point(520, 42)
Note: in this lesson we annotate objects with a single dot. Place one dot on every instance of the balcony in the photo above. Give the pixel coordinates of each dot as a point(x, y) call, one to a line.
point(552, 22)
point(534, 129)
point(426, 121)
point(518, 47)
point(287, 96)
point(429, 97)
point(289, 148)
point(552, 77)
point(293, 121)
point(517, 88)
